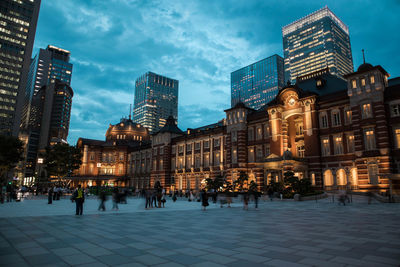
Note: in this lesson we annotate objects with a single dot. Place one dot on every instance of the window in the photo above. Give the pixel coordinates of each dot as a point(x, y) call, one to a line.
point(350, 143)
point(189, 147)
point(216, 159)
point(362, 82)
point(300, 149)
point(324, 120)
point(91, 156)
point(354, 84)
point(161, 165)
point(372, 79)
point(154, 165)
point(366, 111)
point(266, 131)
point(216, 142)
point(206, 144)
point(338, 145)
point(267, 150)
point(121, 156)
point(251, 154)
point(206, 161)
point(258, 133)
point(189, 162)
point(197, 162)
point(259, 153)
point(299, 128)
point(173, 164)
point(373, 174)
point(369, 139)
point(161, 150)
point(251, 134)
point(173, 150)
point(234, 136)
point(234, 155)
point(397, 137)
point(325, 146)
point(335, 118)
point(319, 82)
point(347, 116)
point(395, 110)
point(180, 149)
point(197, 146)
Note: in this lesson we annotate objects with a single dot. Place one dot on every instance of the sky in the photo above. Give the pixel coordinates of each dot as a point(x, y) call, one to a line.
point(199, 43)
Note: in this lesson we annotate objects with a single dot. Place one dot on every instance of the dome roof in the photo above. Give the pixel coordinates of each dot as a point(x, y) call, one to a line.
point(126, 127)
point(365, 67)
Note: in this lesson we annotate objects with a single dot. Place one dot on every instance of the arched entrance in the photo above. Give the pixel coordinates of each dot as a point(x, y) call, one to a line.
point(341, 178)
point(354, 178)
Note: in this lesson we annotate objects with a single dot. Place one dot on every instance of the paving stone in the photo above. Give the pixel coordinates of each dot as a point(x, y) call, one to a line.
point(220, 259)
point(114, 259)
point(78, 259)
point(150, 259)
point(280, 263)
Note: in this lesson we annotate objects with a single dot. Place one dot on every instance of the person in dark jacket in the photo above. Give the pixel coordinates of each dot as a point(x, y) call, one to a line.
point(103, 198)
point(50, 196)
point(204, 200)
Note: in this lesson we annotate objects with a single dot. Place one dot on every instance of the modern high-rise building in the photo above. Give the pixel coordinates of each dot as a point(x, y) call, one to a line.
point(18, 20)
point(257, 84)
point(318, 41)
point(156, 98)
point(48, 65)
point(48, 121)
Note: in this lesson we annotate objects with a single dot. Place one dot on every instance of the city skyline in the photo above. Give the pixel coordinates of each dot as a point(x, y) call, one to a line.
point(174, 42)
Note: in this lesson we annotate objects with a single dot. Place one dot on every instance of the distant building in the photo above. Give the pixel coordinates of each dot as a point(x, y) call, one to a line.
point(48, 65)
point(156, 98)
point(18, 20)
point(257, 84)
point(318, 41)
point(49, 122)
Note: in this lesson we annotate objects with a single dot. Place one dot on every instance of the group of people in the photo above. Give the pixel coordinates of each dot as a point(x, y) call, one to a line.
point(155, 198)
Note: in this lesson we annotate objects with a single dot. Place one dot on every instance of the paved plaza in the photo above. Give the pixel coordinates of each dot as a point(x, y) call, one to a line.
point(279, 233)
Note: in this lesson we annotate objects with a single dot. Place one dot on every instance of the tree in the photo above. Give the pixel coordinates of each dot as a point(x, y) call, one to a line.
point(62, 159)
point(209, 184)
point(253, 187)
point(239, 183)
point(218, 182)
point(11, 151)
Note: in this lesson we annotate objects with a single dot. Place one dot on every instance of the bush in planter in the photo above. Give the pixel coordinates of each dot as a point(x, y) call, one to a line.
point(296, 186)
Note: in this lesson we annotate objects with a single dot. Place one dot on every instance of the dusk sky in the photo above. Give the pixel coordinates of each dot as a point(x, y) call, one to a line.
point(199, 43)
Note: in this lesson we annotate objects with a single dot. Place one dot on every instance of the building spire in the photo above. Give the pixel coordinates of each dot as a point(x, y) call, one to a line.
point(363, 56)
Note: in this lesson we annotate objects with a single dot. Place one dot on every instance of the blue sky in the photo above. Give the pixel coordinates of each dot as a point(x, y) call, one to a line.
point(112, 42)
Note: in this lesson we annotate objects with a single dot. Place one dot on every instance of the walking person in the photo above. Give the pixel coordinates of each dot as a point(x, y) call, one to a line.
point(115, 196)
point(153, 198)
point(103, 198)
point(204, 200)
point(79, 198)
point(246, 201)
point(163, 200)
point(256, 199)
point(50, 196)
point(147, 195)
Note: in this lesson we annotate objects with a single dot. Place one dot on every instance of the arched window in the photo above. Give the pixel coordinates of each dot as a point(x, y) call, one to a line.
point(328, 178)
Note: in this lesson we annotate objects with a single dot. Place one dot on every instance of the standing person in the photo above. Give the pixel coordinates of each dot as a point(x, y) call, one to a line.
point(147, 194)
point(204, 200)
point(115, 198)
point(103, 198)
point(270, 193)
point(79, 197)
point(50, 196)
point(174, 196)
point(163, 200)
point(246, 201)
point(256, 199)
point(153, 198)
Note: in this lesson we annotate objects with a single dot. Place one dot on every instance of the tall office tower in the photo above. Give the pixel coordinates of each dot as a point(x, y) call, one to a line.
point(48, 121)
point(156, 98)
point(318, 41)
point(257, 84)
point(48, 65)
point(18, 21)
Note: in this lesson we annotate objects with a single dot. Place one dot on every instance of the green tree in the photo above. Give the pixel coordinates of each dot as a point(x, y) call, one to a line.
point(62, 159)
point(218, 182)
point(11, 151)
point(209, 184)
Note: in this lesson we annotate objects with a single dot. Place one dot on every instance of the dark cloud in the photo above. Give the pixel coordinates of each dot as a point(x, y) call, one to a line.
point(197, 42)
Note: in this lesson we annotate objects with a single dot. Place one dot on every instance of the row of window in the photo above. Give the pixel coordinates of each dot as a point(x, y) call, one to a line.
point(197, 146)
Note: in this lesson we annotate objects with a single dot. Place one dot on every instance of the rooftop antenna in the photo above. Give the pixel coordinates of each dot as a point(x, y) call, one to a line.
point(363, 55)
point(130, 107)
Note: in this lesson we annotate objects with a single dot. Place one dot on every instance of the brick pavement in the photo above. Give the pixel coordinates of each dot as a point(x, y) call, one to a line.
point(277, 234)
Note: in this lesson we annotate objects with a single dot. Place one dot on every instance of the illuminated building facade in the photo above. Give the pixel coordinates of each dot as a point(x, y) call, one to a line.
point(48, 65)
point(257, 84)
point(106, 162)
point(18, 21)
point(156, 98)
point(339, 139)
point(318, 41)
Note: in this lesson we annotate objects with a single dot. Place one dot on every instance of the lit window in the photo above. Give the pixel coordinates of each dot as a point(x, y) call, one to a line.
point(350, 143)
point(348, 116)
point(259, 133)
point(373, 174)
point(362, 82)
point(366, 111)
point(369, 139)
point(319, 82)
point(338, 145)
point(299, 128)
point(325, 147)
point(397, 137)
point(300, 149)
point(354, 84)
point(336, 118)
point(372, 79)
point(234, 155)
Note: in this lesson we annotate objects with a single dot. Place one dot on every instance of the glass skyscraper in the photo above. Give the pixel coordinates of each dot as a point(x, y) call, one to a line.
point(18, 20)
point(48, 65)
point(156, 98)
point(318, 41)
point(257, 84)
